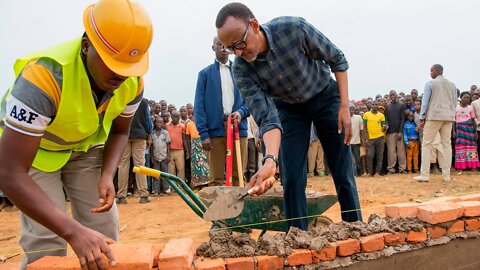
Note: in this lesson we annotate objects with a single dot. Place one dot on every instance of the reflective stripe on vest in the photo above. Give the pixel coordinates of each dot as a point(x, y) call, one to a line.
point(77, 124)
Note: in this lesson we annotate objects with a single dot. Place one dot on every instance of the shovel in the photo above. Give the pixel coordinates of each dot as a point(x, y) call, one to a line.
point(225, 206)
point(228, 205)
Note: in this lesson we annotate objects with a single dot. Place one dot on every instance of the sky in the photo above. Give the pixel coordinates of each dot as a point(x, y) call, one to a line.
point(389, 44)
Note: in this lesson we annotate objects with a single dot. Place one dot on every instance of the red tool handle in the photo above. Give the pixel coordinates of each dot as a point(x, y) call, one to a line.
point(229, 158)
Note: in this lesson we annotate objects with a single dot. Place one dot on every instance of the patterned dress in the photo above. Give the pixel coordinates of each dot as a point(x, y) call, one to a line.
point(466, 155)
point(199, 158)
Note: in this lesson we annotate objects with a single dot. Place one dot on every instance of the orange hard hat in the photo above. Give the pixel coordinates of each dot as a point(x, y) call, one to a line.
point(121, 32)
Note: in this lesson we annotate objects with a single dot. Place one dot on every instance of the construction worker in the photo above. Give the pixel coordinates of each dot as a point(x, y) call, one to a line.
point(65, 123)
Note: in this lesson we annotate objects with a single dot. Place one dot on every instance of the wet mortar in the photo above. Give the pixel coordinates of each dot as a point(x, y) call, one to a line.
point(226, 244)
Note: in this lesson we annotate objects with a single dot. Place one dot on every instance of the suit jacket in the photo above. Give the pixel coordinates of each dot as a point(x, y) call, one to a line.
point(208, 108)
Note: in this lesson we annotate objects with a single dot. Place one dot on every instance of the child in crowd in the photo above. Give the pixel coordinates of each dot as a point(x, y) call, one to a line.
point(411, 138)
point(178, 147)
point(160, 155)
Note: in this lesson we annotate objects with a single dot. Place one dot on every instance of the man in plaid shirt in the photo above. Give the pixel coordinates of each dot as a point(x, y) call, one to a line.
point(283, 72)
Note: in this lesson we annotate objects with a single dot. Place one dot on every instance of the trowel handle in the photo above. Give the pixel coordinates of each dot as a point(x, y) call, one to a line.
point(249, 192)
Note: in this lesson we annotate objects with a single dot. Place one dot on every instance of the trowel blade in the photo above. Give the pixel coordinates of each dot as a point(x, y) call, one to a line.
point(225, 206)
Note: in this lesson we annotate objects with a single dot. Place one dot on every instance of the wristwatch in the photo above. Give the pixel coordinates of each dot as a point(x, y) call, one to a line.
point(274, 158)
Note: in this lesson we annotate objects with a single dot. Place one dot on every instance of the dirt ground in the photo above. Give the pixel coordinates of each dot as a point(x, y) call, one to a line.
point(168, 217)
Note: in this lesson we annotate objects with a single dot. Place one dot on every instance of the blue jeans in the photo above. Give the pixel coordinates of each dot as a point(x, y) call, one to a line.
point(296, 121)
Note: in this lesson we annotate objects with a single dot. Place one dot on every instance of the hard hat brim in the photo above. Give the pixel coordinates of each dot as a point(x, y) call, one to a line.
point(127, 69)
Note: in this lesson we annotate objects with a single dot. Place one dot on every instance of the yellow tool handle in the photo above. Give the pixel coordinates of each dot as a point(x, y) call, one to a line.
point(147, 171)
point(239, 163)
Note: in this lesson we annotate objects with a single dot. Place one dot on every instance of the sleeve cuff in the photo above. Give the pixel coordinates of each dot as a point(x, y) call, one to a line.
point(269, 127)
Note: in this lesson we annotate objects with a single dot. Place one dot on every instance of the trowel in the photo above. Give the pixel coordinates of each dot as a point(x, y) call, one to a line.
point(227, 205)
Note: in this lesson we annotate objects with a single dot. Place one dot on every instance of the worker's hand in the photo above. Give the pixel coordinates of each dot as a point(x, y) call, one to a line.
point(409, 145)
point(345, 123)
point(106, 195)
point(89, 246)
point(206, 144)
point(236, 115)
point(264, 179)
point(399, 136)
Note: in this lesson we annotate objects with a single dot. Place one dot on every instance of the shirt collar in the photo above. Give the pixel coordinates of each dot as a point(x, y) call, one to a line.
point(268, 36)
point(228, 64)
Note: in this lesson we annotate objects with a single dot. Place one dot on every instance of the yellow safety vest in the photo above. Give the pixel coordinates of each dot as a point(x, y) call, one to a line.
point(77, 124)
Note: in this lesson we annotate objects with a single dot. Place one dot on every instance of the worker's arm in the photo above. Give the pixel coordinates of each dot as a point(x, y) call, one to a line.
point(113, 151)
point(32, 200)
point(264, 111)
point(263, 179)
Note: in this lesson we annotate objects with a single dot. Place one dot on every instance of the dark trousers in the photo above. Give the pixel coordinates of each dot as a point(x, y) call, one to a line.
point(375, 148)
point(356, 158)
point(252, 158)
point(296, 120)
point(160, 185)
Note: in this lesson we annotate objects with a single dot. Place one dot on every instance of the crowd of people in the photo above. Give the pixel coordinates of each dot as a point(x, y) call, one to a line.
point(386, 139)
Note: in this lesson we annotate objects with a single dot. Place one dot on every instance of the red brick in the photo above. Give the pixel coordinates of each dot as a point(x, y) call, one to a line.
point(55, 263)
point(241, 263)
point(438, 213)
point(157, 249)
point(269, 262)
point(372, 243)
point(401, 210)
point(347, 247)
point(472, 224)
point(394, 239)
point(417, 237)
point(445, 199)
point(127, 257)
point(9, 266)
point(471, 208)
point(133, 256)
point(209, 264)
point(470, 197)
point(456, 227)
point(177, 254)
point(300, 257)
point(326, 254)
point(436, 232)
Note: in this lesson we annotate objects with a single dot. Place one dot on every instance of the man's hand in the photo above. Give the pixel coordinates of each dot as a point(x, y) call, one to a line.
point(422, 123)
point(384, 128)
point(409, 145)
point(106, 195)
point(89, 246)
point(236, 115)
point(399, 136)
point(344, 122)
point(264, 179)
point(206, 144)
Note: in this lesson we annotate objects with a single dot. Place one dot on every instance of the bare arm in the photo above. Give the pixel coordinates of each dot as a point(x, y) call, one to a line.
point(113, 151)
point(262, 179)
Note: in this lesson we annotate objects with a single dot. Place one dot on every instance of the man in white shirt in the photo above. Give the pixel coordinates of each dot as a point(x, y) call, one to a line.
point(216, 98)
point(357, 140)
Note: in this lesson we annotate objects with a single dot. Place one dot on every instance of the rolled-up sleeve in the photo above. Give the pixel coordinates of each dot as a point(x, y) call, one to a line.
point(260, 106)
point(319, 47)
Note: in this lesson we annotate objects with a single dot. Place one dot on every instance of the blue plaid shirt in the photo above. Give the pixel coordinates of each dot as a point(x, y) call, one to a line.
point(296, 68)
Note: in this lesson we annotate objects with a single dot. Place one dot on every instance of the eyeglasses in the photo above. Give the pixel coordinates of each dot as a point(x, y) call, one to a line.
point(240, 44)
